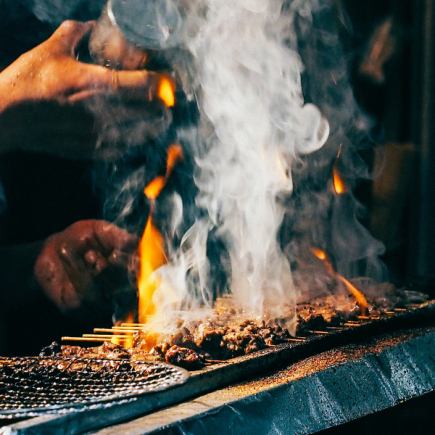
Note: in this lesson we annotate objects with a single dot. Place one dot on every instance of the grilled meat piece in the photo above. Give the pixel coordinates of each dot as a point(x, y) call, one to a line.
point(112, 351)
point(319, 314)
point(209, 338)
point(79, 352)
point(184, 357)
point(106, 350)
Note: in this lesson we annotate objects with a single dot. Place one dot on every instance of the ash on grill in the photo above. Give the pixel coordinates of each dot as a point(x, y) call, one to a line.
point(228, 334)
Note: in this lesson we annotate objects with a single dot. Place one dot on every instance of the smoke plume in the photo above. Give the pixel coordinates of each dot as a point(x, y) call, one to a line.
point(276, 115)
point(254, 123)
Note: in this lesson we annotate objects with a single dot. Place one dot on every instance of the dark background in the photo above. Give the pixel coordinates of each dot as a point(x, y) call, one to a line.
point(45, 194)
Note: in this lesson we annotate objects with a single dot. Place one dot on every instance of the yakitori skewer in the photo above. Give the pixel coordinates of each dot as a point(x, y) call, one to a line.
point(106, 336)
point(116, 330)
point(86, 339)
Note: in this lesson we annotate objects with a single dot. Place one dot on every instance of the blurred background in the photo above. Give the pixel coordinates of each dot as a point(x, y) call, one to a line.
point(389, 46)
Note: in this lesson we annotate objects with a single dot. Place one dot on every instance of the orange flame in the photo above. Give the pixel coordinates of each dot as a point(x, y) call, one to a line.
point(166, 91)
point(152, 256)
point(152, 191)
point(337, 182)
point(321, 255)
point(152, 245)
point(356, 293)
point(126, 341)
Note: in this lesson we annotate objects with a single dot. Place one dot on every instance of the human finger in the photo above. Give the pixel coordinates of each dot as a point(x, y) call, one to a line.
point(75, 266)
point(69, 35)
point(84, 95)
point(141, 85)
point(112, 238)
point(120, 259)
point(95, 261)
point(70, 297)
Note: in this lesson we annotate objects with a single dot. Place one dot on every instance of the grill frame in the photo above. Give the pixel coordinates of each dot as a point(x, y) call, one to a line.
point(62, 384)
point(229, 372)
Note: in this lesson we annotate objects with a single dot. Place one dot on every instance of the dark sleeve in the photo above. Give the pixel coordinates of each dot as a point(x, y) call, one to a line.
point(17, 284)
point(26, 23)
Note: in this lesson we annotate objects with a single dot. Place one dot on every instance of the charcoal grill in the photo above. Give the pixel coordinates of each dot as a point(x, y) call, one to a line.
point(218, 375)
point(30, 386)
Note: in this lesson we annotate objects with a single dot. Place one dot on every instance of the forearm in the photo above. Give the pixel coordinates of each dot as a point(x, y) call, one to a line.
point(17, 283)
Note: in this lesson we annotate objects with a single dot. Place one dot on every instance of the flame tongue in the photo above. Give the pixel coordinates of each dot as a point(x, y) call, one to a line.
point(356, 293)
point(152, 256)
point(337, 182)
point(152, 245)
point(166, 91)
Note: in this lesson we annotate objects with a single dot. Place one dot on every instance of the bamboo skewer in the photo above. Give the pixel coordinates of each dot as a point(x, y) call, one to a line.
point(85, 339)
point(116, 330)
point(122, 337)
point(317, 332)
point(120, 334)
point(141, 325)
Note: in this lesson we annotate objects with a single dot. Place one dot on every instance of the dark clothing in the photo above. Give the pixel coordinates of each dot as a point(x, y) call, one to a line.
point(42, 194)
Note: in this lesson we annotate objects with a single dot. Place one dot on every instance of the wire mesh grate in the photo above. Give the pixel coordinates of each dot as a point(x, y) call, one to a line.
point(43, 384)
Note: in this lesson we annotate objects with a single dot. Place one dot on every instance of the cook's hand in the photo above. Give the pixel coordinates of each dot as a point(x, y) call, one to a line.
point(71, 261)
point(51, 72)
point(43, 93)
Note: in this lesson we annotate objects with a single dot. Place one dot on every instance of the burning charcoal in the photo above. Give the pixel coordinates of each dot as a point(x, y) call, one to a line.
point(51, 350)
point(184, 357)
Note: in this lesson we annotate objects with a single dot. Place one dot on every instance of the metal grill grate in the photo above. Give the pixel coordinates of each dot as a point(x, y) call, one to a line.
point(33, 385)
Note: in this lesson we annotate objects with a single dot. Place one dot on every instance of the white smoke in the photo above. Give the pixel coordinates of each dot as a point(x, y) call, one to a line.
point(254, 123)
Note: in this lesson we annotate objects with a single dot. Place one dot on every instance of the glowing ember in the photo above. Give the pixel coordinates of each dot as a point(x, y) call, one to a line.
point(166, 91)
point(337, 182)
point(356, 293)
point(152, 245)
